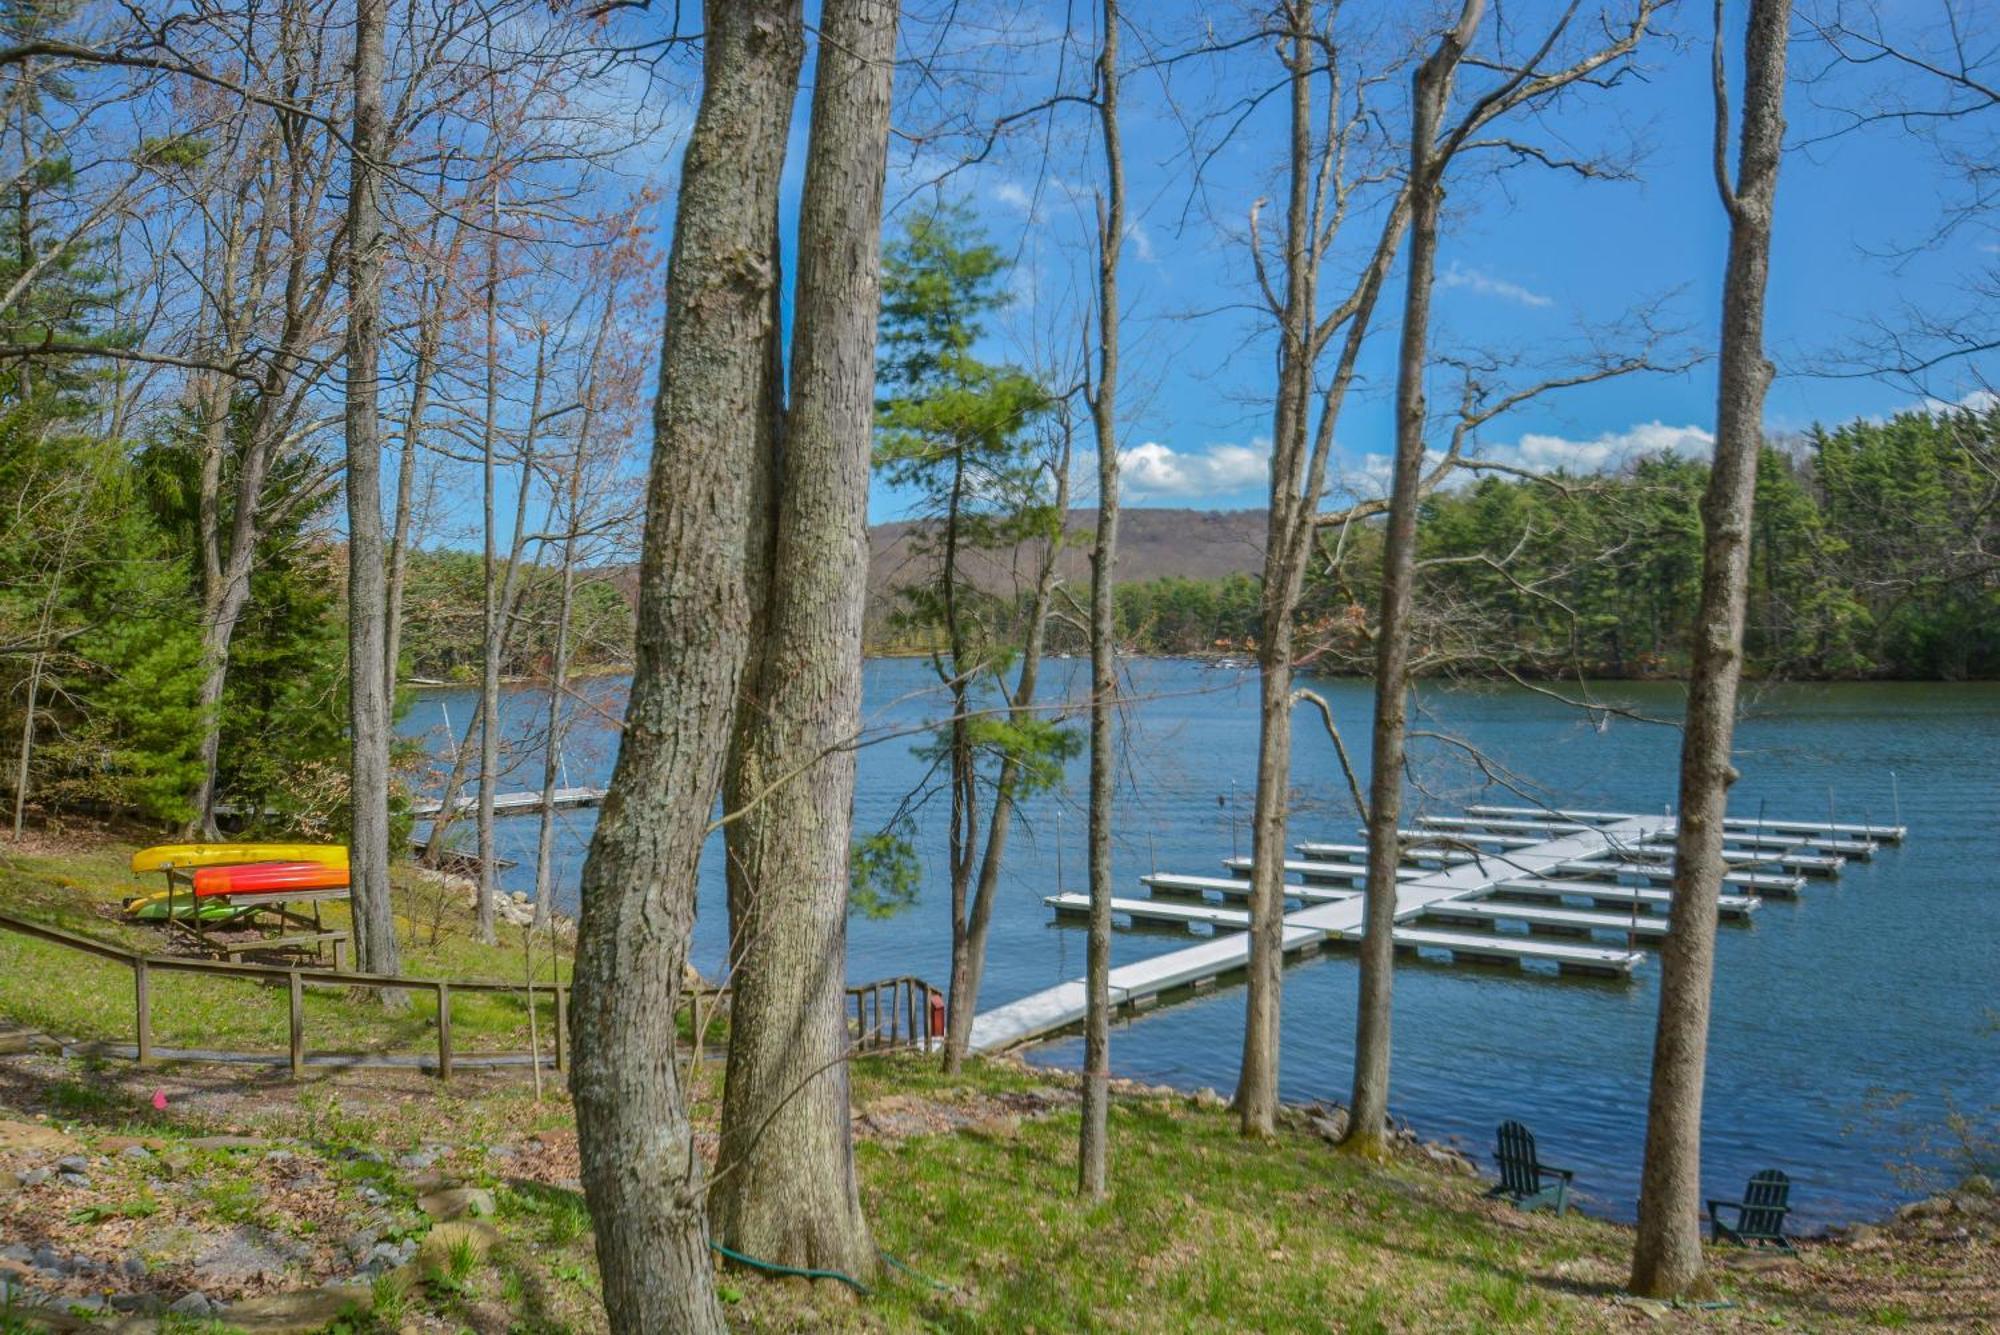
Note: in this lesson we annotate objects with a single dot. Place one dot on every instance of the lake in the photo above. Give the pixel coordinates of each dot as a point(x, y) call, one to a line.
point(1847, 1023)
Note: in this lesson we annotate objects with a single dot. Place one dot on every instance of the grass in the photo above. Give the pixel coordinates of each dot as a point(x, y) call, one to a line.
point(968, 1181)
point(79, 888)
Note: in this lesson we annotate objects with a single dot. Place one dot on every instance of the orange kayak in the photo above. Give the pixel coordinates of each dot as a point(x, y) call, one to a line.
point(264, 877)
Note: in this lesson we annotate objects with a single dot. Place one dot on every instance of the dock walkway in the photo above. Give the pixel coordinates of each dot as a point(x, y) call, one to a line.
point(510, 804)
point(1138, 983)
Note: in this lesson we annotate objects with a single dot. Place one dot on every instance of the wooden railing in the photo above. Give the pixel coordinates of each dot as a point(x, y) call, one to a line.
point(908, 997)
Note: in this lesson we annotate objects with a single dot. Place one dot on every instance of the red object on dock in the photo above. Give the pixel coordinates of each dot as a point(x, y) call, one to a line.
point(263, 877)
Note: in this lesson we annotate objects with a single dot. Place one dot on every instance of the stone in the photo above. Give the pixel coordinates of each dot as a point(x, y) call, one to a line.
point(135, 1152)
point(297, 1312)
point(72, 1163)
point(195, 1305)
point(417, 1160)
point(34, 1136)
point(239, 1255)
point(1866, 1238)
point(1331, 1127)
point(457, 1202)
point(1977, 1185)
point(133, 1265)
point(227, 1143)
point(34, 1177)
point(73, 1179)
point(50, 1261)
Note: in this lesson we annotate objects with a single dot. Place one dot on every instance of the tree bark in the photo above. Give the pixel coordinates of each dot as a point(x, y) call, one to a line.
point(1666, 1261)
point(368, 701)
point(1094, 1148)
point(968, 954)
point(1257, 1077)
point(641, 1172)
point(1368, 1116)
point(786, 1189)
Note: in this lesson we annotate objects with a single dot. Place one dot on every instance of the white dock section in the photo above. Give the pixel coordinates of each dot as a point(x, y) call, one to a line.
point(1174, 883)
point(1332, 852)
point(1571, 922)
point(1492, 948)
point(1884, 833)
point(1043, 1012)
point(1806, 864)
point(510, 804)
point(1764, 883)
point(1351, 873)
point(1156, 910)
point(1614, 896)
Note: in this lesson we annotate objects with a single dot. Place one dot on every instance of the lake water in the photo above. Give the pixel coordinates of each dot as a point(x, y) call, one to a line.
point(1873, 990)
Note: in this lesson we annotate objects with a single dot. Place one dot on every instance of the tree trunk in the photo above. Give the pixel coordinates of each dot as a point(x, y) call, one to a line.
point(1368, 1116)
point(641, 1172)
point(1094, 1148)
point(969, 937)
point(489, 591)
point(1256, 1098)
point(786, 1188)
point(1666, 1261)
point(368, 702)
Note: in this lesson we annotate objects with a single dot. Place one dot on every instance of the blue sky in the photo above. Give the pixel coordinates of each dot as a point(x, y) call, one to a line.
point(1529, 260)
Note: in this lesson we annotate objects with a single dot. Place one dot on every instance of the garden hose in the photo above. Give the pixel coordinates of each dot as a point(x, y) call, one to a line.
point(773, 1267)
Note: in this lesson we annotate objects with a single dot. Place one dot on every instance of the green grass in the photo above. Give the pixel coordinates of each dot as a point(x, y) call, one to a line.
point(80, 891)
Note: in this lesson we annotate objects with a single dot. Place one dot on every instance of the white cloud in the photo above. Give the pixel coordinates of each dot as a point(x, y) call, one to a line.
point(1142, 244)
point(1013, 196)
point(1595, 455)
point(1153, 471)
point(1485, 285)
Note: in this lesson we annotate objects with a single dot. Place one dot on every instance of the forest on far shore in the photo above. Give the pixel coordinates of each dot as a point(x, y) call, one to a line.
point(1875, 553)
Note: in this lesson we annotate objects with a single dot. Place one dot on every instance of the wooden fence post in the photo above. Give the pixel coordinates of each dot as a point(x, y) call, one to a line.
point(562, 1028)
point(142, 998)
point(298, 1016)
point(444, 1030)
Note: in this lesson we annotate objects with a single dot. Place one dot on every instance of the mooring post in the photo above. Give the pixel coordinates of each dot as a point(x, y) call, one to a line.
point(298, 1029)
point(142, 1000)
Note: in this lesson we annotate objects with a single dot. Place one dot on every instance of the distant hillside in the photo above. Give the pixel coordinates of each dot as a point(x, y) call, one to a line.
point(1152, 544)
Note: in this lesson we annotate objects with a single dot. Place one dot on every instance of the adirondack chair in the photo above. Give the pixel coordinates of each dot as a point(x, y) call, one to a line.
point(1760, 1215)
point(1525, 1179)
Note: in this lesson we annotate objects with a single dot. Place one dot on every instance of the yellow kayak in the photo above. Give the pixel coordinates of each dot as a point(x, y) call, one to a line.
point(162, 856)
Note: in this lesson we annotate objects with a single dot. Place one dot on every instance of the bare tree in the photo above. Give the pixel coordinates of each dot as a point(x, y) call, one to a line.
point(1666, 1257)
point(1093, 1149)
point(786, 1189)
point(1433, 146)
point(641, 1171)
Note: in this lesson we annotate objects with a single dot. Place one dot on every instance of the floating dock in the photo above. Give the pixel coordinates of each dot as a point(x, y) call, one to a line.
point(1551, 874)
point(510, 804)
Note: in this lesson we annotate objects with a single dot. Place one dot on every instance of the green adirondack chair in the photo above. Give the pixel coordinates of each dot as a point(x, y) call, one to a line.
point(1760, 1215)
point(1524, 1178)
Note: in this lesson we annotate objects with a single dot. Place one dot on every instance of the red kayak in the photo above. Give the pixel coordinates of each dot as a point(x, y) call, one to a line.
point(265, 877)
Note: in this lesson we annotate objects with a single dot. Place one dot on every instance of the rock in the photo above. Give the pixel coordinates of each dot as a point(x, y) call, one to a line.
point(34, 1136)
point(133, 1265)
point(434, 1256)
point(1977, 1185)
point(278, 1156)
point(195, 1305)
point(457, 1202)
point(1332, 1127)
point(135, 1152)
point(144, 1304)
point(241, 1254)
point(15, 1251)
point(1966, 1202)
point(297, 1312)
point(50, 1261)
point(417, 1160)
point(227, 1143)
point(72, 1163)
point(1866, 1238)
point(73, 1179)
point(501, 1151)
point(34, 1177)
